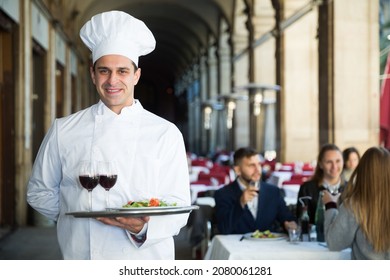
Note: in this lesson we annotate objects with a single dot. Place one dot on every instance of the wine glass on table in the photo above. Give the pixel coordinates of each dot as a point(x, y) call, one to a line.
point(88, 178)
point(107, 178)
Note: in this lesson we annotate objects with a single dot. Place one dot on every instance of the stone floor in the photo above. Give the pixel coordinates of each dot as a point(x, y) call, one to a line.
point(30, 243)
point(40, 243)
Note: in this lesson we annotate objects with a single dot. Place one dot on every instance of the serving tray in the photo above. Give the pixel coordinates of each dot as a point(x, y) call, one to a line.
point(135, 212)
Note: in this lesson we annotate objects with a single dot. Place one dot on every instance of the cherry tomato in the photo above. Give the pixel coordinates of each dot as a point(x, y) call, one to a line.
point(153, 202)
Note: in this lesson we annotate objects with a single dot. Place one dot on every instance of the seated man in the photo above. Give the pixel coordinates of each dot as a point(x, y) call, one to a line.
point(248, 204)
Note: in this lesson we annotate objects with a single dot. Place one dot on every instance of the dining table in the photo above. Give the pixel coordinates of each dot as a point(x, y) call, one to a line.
point(240, 247)
point(195, 189)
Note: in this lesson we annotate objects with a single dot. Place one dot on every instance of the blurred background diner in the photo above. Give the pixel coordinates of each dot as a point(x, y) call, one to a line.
point(351, 157)
point(285, 77)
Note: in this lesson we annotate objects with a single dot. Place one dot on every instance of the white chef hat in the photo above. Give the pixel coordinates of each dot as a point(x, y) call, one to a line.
point(117, 32)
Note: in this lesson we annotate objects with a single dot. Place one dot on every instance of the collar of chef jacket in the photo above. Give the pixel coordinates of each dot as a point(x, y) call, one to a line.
point(127, 111)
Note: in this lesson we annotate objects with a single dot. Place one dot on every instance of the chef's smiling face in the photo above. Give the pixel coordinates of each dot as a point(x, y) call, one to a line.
point(115, 77)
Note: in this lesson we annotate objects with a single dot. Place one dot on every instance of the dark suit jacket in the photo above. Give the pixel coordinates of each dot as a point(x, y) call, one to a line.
point(231, 218)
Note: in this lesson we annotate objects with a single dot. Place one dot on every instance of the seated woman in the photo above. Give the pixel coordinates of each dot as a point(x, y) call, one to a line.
point(327, 176)
point(351, 158)
point(362, 220)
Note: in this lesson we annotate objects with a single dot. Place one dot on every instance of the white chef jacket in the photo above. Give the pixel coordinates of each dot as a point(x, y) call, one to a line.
point(150, 156)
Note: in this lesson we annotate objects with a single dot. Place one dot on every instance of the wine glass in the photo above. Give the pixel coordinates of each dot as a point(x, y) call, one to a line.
point(88, 178)
point(107, 178)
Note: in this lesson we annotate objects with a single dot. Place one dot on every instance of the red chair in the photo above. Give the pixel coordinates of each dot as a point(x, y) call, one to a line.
point(300, 177)
point(287, 166)
point(293, 181)
point(206, 182)
point(221, 177)
point(270, 163)
point(220, 169)
point(307, 167)
point(201, 162)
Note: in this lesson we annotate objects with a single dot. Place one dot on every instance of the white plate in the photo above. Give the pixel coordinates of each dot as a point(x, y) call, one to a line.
point(135, 212)
point(154, 208)
point(278, 236)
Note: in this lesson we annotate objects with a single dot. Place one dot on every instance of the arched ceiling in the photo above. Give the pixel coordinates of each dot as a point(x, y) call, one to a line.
point(182, 29)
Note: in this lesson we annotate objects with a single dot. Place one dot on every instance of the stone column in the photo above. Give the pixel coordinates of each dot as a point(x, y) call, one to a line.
point(299, 96)
point(356, 95)
point(225, 84)
point(241, 75)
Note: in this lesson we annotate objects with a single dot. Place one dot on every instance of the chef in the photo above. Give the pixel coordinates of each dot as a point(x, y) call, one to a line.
point(147, 150)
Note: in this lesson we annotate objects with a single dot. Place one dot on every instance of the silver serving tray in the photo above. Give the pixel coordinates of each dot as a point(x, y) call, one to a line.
point(135, 212)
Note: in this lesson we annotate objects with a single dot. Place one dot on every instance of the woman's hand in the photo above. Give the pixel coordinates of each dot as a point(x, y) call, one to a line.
point(328, 197)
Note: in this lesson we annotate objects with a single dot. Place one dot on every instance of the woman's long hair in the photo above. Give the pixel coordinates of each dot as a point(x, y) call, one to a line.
point(368, 196)
point(318, 172)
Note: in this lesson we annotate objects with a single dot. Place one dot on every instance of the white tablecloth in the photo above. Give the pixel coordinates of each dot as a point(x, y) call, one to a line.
point(291, 192)
point(207, 200)
point(229, 247)
point(196, 189)
point(278, 177)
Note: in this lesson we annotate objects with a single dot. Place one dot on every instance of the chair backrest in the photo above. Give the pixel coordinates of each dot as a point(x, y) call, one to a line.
point(300, 177)
point(287, 166)
point(293, 181)
point(203, 181)
point(201, 162)
point(307, 167)
point(221, 177)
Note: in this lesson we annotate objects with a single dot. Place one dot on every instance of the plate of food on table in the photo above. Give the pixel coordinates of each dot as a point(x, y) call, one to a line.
point(265, 235)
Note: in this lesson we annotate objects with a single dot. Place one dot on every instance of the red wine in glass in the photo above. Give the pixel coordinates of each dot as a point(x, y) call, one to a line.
point(107, 181)
point(108, 176)
point(88, 178)
point(89, 182)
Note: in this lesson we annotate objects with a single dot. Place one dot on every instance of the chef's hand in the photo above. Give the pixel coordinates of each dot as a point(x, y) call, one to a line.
point(250, 193)
point(132, 224)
